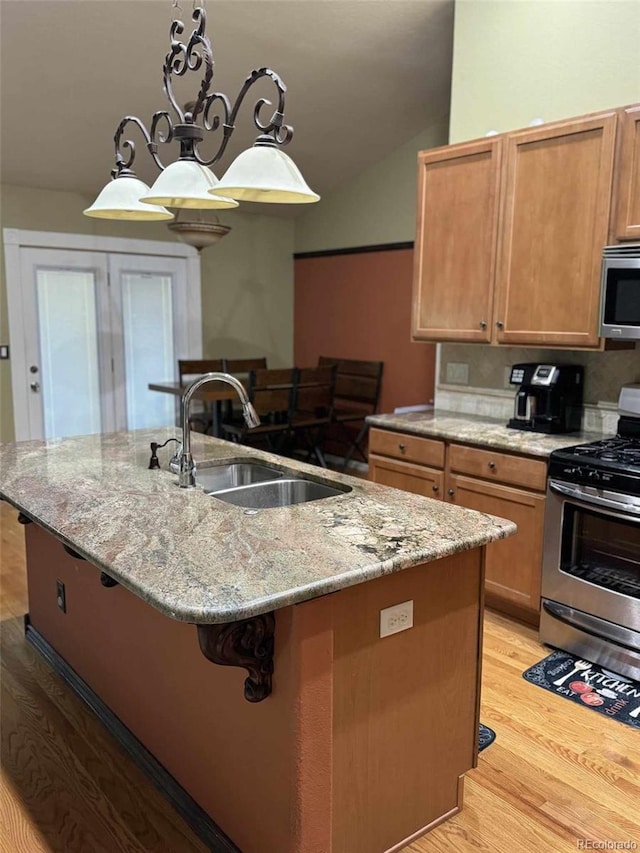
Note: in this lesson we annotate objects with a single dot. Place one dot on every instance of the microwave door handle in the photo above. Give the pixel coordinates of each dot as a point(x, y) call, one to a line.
point(578, 494)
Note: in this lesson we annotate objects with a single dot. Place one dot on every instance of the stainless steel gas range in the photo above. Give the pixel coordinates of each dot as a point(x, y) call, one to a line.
point(591, 565)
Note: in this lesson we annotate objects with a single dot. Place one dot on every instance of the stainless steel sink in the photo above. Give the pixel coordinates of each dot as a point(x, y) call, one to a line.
point(217, 477)
point(279, 493)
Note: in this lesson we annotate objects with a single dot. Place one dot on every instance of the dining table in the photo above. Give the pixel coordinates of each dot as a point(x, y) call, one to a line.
point(213, 393)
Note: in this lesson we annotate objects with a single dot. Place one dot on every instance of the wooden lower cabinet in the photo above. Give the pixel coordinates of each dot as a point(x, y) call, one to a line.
point(513, 566)
point(419, 479)
point(485, 479)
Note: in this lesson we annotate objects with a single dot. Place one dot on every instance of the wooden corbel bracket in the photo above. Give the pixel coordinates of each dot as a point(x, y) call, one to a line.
point(247, 643)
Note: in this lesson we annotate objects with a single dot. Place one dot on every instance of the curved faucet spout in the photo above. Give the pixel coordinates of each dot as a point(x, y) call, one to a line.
point(187, 467)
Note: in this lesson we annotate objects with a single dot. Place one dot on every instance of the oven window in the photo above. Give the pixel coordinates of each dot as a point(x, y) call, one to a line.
point(622, 297)
point(602, 550)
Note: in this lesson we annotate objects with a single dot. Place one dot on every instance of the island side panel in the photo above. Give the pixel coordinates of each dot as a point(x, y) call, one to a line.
point(262, 771)
point(405, 706)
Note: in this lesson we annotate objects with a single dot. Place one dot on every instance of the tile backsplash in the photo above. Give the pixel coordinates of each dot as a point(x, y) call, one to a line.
point(487, 391)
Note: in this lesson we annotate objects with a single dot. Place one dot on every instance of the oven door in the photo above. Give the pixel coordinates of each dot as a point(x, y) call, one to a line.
point(592, 552)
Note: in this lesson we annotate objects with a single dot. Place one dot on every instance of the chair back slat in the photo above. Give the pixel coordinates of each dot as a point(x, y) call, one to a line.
point(314, 390)
point(358, 383)
point(196, 367)
point(244, 365)
point(272, 391)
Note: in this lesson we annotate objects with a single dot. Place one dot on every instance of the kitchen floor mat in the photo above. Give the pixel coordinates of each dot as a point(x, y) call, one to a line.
point(486, 737)
point(589, 685)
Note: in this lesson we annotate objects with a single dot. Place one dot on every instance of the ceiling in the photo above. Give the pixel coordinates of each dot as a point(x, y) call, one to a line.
point(363, 77)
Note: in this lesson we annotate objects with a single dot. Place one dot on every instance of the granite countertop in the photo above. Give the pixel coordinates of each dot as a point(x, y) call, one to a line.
point(481, 431)
point(198, 559)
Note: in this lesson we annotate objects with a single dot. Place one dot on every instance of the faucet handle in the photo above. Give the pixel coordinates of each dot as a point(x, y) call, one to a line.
point(174, 462)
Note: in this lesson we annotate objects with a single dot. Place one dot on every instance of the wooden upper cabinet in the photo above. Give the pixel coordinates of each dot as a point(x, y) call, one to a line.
point(457, 222)
point(554, 223)
point(627, 217)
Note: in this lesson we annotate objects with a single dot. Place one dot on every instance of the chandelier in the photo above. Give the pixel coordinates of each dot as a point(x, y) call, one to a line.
point(263, 173)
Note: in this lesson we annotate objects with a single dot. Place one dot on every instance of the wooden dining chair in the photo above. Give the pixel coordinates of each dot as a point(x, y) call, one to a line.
point(312, 410)
point(357, 394)
point(189, 369)
point(272, 394)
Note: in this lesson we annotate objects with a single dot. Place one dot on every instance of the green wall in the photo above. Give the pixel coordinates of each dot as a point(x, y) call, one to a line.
point(377, 206)
point(247, 279)
point(516, 60)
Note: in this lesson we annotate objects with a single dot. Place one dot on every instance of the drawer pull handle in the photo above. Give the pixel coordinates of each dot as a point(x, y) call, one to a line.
point(451, 492)
point(435, 488)
point(402, 447)
point(492, 465)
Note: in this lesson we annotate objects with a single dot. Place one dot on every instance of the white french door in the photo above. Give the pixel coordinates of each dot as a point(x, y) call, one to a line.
point(89, 331)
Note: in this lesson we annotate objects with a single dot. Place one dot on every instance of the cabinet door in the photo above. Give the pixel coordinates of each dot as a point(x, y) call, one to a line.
point(627, 224)
point(457, 221)
point(514, 565)
point(555, 221)
point(404, 475)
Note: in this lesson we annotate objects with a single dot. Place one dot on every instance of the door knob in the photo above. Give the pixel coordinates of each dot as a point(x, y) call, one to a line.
point(483, 324)
point(35, 386)
point(499, 325)
point(451, 492)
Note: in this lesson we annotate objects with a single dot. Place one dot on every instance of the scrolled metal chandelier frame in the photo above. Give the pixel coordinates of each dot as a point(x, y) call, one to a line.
point(265, 174)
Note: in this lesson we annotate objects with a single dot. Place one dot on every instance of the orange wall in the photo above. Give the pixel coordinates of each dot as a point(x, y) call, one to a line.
point(359, 306)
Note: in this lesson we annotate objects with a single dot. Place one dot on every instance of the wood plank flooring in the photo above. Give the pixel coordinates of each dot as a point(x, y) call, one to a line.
point(557, 774)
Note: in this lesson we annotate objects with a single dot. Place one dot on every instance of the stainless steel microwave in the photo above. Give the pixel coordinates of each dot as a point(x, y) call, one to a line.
point(620, 301)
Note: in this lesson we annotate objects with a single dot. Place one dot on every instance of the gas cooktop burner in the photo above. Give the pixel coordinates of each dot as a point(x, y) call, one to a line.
point(618, 449)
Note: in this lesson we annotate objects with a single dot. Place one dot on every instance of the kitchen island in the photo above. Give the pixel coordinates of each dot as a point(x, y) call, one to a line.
point(158, 600)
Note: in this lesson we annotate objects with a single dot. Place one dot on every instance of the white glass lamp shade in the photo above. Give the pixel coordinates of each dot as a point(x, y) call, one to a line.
point(120, 199)
point(186, 183)
point(265, 173)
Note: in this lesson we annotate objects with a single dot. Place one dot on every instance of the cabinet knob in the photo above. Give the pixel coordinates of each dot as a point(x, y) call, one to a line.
point(451, 492)
point(492, 465)
point(499, 325)
point(483, 324)
point(402, 447)
point(35, 387)
point(435, 488)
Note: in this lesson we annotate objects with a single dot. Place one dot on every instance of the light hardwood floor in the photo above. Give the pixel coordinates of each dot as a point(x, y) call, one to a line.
point(556, 775)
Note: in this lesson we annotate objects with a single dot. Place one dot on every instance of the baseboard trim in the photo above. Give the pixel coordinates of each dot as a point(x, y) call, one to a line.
point(199, 821)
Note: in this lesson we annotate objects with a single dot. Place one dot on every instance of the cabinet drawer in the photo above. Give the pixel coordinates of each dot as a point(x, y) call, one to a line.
point(499, 467)
point(407, 476)
point(411, 448)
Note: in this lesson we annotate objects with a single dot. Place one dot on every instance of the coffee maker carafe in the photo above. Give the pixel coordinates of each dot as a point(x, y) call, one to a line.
point(549, 397)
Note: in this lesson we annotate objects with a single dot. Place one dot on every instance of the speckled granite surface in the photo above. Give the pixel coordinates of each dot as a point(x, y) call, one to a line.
point(198, 559)
point(480, 431)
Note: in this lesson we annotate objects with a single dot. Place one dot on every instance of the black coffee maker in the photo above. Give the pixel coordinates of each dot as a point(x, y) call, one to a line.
point(549, 397)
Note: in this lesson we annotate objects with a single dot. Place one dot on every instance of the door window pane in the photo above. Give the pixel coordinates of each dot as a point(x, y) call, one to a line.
point(147, 318)
point(68, 377)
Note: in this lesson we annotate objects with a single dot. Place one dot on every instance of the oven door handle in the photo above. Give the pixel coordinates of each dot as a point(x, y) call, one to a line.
point(624, 509)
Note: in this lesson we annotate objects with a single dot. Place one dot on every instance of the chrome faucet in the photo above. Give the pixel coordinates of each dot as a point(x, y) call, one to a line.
point(183, 460)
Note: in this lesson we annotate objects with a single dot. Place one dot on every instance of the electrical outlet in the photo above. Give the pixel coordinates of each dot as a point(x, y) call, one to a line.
point(61, 597)
point(457, 373)
point(396, 618)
